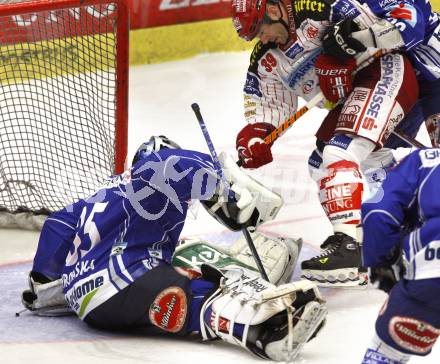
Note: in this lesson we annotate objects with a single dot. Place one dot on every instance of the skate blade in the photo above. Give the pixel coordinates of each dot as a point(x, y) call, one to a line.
point(338, 278)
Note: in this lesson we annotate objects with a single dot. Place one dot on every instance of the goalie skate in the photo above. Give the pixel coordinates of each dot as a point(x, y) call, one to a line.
point(45, 297)
point(339, 265)
point(309, 321)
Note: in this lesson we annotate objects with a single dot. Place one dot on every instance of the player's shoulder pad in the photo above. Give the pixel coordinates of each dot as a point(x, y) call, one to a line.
point(313, 9)
point(258, 52)
point(429, 157)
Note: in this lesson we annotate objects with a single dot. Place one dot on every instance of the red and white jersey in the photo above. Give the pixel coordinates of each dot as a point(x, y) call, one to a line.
point(278, 75)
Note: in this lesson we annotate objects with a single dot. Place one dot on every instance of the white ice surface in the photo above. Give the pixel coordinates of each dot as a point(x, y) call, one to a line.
point(160, 99)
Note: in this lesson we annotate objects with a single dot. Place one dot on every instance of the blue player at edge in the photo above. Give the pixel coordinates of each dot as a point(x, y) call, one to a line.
point(405, 219)
point(109, 256)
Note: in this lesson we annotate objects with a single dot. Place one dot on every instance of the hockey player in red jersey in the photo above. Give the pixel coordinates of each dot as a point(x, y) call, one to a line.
point(306, 47)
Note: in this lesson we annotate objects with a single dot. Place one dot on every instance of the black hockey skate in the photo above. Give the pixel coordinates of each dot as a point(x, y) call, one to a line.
point(339, 265)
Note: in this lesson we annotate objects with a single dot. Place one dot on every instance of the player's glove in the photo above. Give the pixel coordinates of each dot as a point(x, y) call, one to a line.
point(252, 150)
point(385, 276)
point(338, 41)
point(335, 76)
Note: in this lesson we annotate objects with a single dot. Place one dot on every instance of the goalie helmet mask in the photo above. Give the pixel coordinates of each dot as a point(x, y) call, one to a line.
point(155, 144)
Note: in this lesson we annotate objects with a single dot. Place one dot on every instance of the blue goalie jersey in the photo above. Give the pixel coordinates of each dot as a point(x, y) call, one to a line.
point(406, 214)
point(101, 244)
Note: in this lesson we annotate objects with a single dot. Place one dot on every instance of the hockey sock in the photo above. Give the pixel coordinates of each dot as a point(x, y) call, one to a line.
point(381, 353)
point(223, 324)
point(340, 194)
point(373, 356)
point(200, 290)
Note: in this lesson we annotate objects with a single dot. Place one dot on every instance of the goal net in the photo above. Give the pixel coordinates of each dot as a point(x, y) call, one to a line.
point(63, 100)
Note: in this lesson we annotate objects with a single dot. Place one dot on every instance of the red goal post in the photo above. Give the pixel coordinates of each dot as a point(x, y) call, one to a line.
point(63, 100)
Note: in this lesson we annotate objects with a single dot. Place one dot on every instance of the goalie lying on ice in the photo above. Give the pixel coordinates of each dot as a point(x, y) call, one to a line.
point(112, 260)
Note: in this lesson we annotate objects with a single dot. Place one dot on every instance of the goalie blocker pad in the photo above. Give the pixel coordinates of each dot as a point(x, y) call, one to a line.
point(226, 214)
point(256, 203)
point(278, 255)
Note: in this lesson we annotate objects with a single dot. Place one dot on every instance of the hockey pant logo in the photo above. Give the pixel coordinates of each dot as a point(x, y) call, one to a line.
point(169, 309)
point(412, 334)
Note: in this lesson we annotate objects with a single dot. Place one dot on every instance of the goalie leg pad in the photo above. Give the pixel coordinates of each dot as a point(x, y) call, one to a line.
point(279, 255)
point(271, 322)
point(308, 321)
point(192, 253)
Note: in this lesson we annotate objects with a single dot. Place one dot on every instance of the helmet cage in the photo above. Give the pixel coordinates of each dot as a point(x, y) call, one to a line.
point(154, 145)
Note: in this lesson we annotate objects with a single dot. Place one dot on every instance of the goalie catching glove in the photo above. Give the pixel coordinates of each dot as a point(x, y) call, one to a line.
point(253, 204)
point(271, 322)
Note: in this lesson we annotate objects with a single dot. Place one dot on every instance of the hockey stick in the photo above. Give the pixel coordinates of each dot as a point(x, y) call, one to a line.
point(275, 134)
point(406, 138)
point(220, 173)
